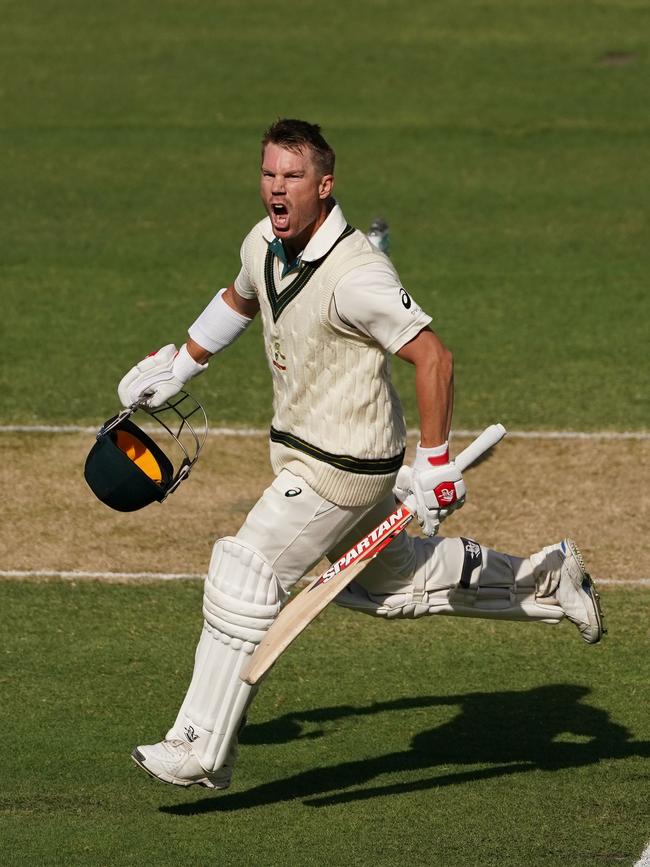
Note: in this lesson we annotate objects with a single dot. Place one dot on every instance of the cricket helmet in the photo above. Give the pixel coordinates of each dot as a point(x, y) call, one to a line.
point(127, 468)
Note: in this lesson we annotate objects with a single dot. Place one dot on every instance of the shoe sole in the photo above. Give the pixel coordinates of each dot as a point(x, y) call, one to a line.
point(588, 588)
point(139, 759)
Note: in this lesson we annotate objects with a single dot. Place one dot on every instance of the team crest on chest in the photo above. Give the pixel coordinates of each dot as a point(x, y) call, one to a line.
point(277, 357)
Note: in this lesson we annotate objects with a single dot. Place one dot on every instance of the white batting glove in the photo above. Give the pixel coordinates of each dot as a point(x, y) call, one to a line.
point(432, 488)
point(158, 377)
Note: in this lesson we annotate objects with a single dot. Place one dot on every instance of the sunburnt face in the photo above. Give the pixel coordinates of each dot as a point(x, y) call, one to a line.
point(294, 194)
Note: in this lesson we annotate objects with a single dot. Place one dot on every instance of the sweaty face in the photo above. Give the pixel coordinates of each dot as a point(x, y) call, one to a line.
point(294, 194)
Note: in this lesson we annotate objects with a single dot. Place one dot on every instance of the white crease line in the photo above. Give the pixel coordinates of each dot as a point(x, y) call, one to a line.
point(259, 432)
point(108, 576)
point(195, 576)
point(567, 434)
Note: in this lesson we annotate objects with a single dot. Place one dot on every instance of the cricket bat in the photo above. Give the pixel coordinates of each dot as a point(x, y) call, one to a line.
point(308, 604)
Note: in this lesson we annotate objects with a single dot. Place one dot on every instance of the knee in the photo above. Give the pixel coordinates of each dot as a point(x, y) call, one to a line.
point(242, 595)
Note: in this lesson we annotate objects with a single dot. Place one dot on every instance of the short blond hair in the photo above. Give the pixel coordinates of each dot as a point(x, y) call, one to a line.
point(295, 135)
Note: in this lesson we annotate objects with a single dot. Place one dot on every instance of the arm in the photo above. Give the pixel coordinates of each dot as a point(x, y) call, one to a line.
point(248, 307)
point(433, 486)
point(434, 385)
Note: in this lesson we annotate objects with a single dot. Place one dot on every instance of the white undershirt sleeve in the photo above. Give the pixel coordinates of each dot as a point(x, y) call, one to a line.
point(243, 285)
point(371, 300)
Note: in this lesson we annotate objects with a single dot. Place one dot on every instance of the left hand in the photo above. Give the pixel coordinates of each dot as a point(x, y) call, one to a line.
point(158, 377)
point(432, 487)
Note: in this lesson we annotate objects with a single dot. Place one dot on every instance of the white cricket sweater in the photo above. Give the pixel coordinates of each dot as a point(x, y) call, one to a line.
point(337, 421)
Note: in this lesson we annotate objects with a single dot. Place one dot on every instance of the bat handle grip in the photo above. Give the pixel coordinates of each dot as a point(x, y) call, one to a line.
point(484, 441)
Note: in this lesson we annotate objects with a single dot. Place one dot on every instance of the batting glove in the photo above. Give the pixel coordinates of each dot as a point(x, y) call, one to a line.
point(158, 377)
point(432, 487)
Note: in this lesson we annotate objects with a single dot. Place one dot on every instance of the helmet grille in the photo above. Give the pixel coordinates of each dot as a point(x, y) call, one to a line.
point(127, 469)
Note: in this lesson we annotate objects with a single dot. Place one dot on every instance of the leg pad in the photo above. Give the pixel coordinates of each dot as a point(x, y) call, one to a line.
point(242, 598)
point(458, 577)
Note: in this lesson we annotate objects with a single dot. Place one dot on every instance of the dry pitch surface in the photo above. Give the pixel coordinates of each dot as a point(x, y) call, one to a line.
point(529, 493)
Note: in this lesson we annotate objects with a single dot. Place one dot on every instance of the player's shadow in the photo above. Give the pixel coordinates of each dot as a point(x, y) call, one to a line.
point(511, 732)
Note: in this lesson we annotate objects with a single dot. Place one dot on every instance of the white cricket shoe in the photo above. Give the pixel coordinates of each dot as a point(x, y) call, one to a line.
point(575, 591)
point(174, 762)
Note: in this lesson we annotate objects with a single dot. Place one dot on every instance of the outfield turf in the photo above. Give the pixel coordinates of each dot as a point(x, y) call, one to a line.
point(506, 143)
point(440, 742)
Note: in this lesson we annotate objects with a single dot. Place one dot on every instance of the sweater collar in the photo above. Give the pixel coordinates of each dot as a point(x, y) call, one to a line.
point(319, 245)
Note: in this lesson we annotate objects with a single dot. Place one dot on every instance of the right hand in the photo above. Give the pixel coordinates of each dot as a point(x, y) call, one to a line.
point(432, 488)
point(158, 377)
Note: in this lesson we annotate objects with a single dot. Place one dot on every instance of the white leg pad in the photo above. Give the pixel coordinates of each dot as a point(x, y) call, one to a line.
point(242, 598)
point(458, 577)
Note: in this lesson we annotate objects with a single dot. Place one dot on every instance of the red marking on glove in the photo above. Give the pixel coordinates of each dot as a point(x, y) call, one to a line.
point(445, 493)
point(439, 460)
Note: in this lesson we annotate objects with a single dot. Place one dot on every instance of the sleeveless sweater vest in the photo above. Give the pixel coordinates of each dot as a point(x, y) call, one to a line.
point(337, 420)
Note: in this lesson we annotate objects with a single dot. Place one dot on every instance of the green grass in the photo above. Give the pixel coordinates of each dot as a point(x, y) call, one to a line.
point(510, 158)
point(442, 741)
point(506, 154)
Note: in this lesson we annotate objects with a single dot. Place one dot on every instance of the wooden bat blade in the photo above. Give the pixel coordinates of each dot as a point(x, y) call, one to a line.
point(308, 604)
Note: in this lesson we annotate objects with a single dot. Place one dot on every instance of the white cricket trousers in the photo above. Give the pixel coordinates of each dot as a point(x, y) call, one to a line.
point(294, 528)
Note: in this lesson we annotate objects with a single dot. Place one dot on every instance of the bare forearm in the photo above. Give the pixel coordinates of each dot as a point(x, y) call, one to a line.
point(198, 353)
point(434, 385)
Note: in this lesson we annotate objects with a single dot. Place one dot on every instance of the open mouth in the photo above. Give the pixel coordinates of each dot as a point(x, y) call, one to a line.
point(279, 217)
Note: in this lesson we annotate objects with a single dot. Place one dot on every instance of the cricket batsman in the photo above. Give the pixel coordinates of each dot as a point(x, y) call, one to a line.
point(333, 312)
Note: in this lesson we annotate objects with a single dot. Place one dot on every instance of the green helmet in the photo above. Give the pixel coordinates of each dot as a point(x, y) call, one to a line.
point(127, 469)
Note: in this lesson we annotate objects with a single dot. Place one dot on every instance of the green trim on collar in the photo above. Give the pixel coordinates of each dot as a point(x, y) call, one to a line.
point(279, 301)
point(277, 248)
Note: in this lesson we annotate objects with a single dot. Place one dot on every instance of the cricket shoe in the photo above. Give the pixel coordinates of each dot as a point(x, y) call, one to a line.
point(173, 761)
point(575, 591)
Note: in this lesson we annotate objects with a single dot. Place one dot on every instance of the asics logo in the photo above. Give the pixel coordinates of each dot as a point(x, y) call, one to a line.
point(405, 298)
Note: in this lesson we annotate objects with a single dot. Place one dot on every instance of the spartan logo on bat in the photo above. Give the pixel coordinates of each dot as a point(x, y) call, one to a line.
point(362, 549)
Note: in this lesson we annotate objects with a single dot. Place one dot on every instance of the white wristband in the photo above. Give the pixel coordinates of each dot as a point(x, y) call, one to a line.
point(431, 457)
point(185, 367)
point(218, 326)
